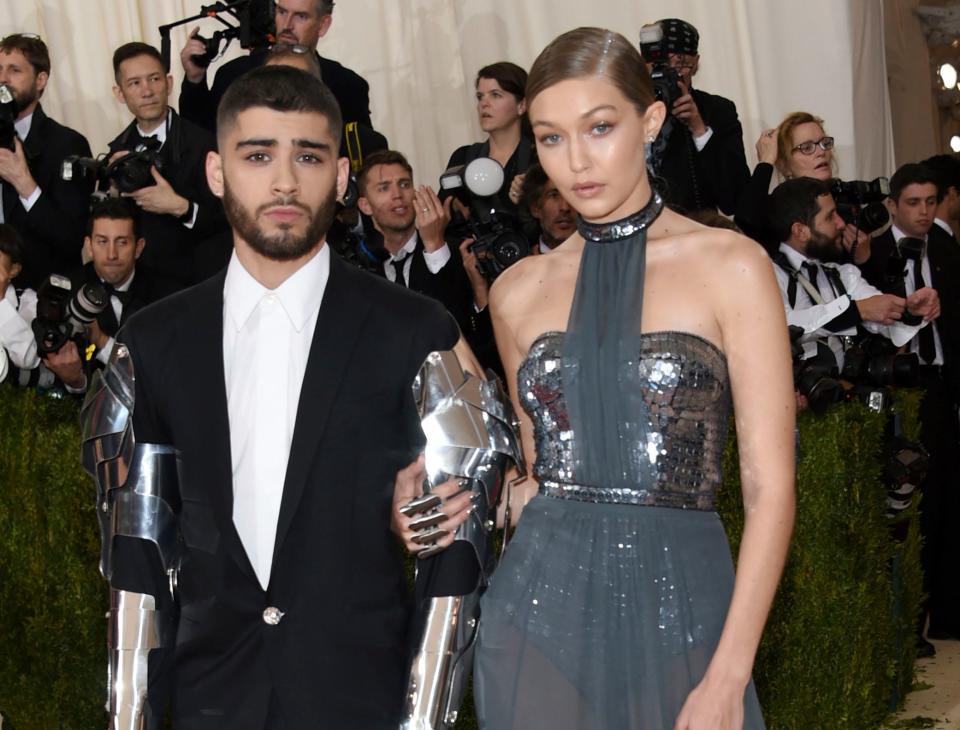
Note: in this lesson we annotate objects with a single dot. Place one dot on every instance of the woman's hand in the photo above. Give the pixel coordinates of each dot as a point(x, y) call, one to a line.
point(712, 705)
point(767, 146)
point(436, 526)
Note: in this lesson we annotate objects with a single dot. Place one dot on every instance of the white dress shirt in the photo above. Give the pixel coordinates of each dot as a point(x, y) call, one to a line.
point(22, 128)
point(267, 336)
point(435, 260)
point(908, 279)
point(812, 317)
point(103, 354)
point(16, 335)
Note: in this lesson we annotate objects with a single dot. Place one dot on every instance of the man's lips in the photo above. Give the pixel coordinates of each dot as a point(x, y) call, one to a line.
point(283, 213)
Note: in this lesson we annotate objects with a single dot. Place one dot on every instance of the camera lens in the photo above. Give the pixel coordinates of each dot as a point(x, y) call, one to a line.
point(89, 301)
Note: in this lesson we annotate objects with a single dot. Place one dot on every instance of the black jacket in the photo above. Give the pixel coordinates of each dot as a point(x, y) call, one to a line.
point(752, 215)
point(199, 103)
point(145, 289)
point(53, 229)
point(170, 244)
point(944, 258)
point(337, 659)
point(714, 176)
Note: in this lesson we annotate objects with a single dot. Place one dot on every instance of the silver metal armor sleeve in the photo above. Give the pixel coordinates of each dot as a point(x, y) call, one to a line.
point(472, 434)
point(138, 486)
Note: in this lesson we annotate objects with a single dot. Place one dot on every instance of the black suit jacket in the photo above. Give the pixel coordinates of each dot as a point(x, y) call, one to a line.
point(145, 289)
point(944, 255)
point(170, 244)
point(714, 176)
point(53, 229)
point(337, 658)
point(199, 103)
point(449, 286)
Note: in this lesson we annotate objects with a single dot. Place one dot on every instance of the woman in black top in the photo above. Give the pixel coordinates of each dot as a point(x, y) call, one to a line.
point(501, 109)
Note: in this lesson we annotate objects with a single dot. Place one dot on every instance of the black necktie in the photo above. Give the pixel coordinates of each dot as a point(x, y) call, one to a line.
point(813, 274)
point(926, 343)
point(397, 265)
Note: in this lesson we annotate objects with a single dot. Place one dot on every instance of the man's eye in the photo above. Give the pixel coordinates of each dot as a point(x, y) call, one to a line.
point(309, 158)
point(258, 157)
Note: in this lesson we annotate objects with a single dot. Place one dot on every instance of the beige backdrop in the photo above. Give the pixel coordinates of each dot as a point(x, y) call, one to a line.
point(420, 57)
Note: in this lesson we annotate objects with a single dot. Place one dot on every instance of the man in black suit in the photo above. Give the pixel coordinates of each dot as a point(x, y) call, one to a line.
point(284, 384)
point(179, 211)
point(114, 244)
point(896, 266)
point(701, 162)
point(947, 217)
point(48, 212)
point(412, 222)
point(298, 22)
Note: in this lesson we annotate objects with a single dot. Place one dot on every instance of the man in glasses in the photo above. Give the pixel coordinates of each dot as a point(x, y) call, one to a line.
point(702, 161)
point(47, 212)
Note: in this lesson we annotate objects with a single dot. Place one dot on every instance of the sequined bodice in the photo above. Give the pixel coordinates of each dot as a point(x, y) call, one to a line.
point(681, 377)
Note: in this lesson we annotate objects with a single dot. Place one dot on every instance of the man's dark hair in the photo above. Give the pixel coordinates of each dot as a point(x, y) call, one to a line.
point(325, 7)
point(946, 168)
point(509, 76)
point(33, 49)
point(132, 50)
point(380, 157)
point(533, 184)
point(282, 89)
point(116, 209)
point(10, 243)
point(795, 201)
point(912, 173)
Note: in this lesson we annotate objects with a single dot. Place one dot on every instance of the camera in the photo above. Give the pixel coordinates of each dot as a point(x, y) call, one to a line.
point(860, 203)
point(498, 242)
point(128, 173)
point(815, 378)
point(8, 115)
point(872, 360)
point(253, 25)
point(63, 314)
point(665, 78)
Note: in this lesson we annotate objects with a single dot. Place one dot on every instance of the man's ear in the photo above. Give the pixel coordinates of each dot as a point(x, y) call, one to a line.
point(214, 168)
point(141, 242)
point(42, 79)
point(15, 270)
point(800, 232)
point(891, 206)
point(87, 247)
point(118, 94)
point(325, 24)
point(343, 176)
point(364, 205)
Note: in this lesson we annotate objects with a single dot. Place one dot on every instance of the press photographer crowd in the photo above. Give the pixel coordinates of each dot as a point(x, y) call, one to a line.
point(869, 271)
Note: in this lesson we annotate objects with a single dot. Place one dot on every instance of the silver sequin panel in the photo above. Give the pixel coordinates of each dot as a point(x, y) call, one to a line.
point(683, 380)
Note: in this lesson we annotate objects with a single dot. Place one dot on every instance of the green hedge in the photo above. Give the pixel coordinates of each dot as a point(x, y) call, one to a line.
point(837, 650)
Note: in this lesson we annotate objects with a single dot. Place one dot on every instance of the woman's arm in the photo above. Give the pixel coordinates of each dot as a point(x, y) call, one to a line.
point(750, 315)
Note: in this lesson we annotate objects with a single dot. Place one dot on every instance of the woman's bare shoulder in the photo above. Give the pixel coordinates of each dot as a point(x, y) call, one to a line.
point(521, 284)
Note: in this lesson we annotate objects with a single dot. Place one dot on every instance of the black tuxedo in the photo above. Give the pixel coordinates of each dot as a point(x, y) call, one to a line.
point(337, 658)
point(170, 244)
point(449, 286)
point(53, 228)
point(199, 103)
point(940, 506)
point(714, 176)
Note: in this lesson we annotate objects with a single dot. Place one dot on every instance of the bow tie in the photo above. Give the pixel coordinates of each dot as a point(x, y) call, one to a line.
point(123, 296)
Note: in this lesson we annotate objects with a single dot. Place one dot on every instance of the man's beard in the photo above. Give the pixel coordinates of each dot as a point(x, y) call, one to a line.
point(283, 245)
point(823, 248)
point(26, 97)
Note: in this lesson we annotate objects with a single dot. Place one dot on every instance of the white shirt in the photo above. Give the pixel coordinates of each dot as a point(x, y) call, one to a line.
point(435, 260)
point(22, 128)
point(267, 336)
point(103, 354)
point(16, 335)
point(908, 277)
point(544, 248)
point(812, 317)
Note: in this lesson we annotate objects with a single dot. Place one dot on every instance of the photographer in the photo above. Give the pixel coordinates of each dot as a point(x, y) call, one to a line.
point(412, 223)
point(179, 211)
point(17, 309)
point(699, 154)
point(946, 220)
point(905, 258)
point(298, 22)
point(825, 299)
point(48, 213)
point(555, 220)
point(114, 244)
point(501, 111)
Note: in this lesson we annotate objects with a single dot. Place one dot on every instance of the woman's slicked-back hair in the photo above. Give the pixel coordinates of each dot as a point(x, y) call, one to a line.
point(587, 52)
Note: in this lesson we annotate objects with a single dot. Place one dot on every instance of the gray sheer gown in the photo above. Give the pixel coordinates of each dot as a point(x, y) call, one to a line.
point(610, 601)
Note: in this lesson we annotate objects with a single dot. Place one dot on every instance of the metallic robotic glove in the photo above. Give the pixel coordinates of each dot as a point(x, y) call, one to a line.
point(472, 434)
point(137, 486)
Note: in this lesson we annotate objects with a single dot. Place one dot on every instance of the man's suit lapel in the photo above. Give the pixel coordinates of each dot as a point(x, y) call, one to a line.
point(339, 326)
point(207, 385)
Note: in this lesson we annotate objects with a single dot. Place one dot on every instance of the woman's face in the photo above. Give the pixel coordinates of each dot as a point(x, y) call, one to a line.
point(590, 141)
point(819, 164)
point(497, 109)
